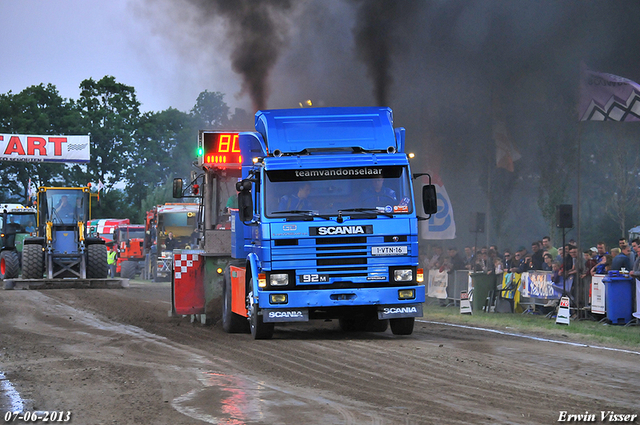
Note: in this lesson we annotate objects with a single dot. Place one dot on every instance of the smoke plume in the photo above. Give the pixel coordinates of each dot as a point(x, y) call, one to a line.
point(257, 31)
point(375, 34)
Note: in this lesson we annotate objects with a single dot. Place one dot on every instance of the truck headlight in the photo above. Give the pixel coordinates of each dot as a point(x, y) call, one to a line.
point(279, 279)
point(403, 275)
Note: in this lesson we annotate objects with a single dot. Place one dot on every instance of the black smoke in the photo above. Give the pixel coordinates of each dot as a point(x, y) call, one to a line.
point(438, 64)
point(378, 36)
point(257, 31)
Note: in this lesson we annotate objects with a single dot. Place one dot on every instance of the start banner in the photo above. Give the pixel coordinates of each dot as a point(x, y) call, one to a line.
point(44, 148)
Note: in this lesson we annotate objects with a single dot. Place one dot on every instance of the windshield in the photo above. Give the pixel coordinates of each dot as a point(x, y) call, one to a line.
point(126, 234)
point(357, 190)
point(180, 223)
point(66, 206)
point(21, 223)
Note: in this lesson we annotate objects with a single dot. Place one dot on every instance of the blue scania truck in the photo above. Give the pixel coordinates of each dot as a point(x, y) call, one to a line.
point(325, 225)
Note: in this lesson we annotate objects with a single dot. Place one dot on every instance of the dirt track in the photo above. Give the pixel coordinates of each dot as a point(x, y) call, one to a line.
point(115, 357)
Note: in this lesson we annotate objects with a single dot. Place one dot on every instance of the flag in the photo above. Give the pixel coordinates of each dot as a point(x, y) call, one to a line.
point(607, 97)
point(440, 225)
point(506, 154)
point(100, 186)
point(29, 192)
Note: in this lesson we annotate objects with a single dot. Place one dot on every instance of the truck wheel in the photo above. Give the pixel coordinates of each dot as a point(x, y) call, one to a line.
point(376, 325)
point(231, 322)
point(402, 326)
point(97, 267)
point(9, 264)
point(128, 269)
point(32, 262)
point(259, 329)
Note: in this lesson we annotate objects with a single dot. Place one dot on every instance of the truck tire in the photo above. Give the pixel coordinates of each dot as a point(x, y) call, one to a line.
point(231, 322)
point(97, 267)
point(259, 329)
point(402, 326)
point(9, 264)
point(32, 262)
point(376, 325)
point(128, 269)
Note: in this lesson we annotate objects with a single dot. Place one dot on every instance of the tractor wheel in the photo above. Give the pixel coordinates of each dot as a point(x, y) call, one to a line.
point(231, 322)
point(9, 265)
point(128, 269)
point(402, 326)
point(97, 267)
point(32, 262)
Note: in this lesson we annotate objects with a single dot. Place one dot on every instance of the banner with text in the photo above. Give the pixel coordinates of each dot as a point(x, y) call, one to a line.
point(540, 284)
point(437, 284)
point(44, 148)
point(598, 293)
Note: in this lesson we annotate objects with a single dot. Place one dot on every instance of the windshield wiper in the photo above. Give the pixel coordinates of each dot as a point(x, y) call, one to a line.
point(307, 213)
point(366, 210)
point(293, 212)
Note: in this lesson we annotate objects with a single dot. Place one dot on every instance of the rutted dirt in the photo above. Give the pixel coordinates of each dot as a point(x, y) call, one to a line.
point(115, 357)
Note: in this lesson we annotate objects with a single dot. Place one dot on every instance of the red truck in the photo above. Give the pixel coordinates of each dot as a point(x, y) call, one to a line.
point(129, 239)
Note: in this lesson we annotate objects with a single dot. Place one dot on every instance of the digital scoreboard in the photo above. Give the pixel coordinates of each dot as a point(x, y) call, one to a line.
point(219, 149)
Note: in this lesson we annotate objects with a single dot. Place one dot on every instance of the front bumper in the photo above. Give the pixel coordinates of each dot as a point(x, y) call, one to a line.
point(318, 298)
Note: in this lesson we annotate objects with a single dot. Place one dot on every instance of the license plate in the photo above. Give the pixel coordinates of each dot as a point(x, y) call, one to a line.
point(389, 250)
point(313, 278)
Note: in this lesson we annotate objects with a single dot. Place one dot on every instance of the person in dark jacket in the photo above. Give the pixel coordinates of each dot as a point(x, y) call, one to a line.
point(623, 260)
point(170, 243)
point(536, 255)
point(456, 261)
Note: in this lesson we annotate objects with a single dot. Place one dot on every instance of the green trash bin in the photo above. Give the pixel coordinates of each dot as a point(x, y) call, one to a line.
point(482, 284)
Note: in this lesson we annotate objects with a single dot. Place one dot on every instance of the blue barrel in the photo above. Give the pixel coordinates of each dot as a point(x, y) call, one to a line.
point(619, 296)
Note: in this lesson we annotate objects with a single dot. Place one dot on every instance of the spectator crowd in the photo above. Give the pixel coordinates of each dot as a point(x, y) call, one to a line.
point(542, 256)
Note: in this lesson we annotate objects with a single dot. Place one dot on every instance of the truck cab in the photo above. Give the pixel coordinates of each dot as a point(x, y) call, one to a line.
point(327, 220)
point(325, 227)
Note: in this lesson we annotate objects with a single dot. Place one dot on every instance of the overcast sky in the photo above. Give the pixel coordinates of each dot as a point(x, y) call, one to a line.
point(63, 42)
point(439, 64)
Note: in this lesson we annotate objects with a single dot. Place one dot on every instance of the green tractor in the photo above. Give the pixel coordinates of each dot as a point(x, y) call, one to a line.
point(62, 248)
point(16, 223)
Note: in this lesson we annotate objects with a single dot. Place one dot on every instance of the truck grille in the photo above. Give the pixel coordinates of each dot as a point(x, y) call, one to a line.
point(346, 260)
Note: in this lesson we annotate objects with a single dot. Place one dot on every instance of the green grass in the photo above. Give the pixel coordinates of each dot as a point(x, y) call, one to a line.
point(583, 331)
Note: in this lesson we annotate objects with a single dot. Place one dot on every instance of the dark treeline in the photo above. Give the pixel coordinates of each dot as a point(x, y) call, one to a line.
point(133, 154)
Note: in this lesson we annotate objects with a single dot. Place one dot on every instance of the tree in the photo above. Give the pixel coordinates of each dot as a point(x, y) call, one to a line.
point(241, 120)
point(623, 177)
point(110, 114)
point(164, 144)
point(210, 110)
point(161, 194)
point(555, 174)
point(114, 204)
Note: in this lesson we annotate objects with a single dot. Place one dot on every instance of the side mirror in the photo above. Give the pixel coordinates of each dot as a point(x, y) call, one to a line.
point(245, 206)
point(429, 199)
point(177, 188)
